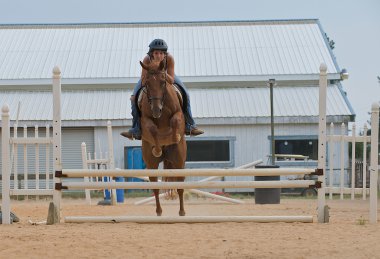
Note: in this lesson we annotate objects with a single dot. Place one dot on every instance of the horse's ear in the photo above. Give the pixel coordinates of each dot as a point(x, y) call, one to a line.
point(143, 66)
point(162, 66)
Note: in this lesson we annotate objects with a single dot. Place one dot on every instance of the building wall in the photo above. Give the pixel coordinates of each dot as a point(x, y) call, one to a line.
point(252, 141)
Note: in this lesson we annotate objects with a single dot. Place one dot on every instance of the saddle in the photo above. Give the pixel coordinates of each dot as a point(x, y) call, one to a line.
point(177, 89)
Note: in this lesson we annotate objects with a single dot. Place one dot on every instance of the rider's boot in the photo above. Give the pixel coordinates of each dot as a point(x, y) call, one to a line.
point(191, 127)
point(135, 131)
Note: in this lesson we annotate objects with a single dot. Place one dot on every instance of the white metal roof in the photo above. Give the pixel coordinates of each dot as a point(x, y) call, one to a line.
point(204, 51)
point(98, 105)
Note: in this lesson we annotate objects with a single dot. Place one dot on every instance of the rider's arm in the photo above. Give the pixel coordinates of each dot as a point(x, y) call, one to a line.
point(170, 69)
point(146, 61)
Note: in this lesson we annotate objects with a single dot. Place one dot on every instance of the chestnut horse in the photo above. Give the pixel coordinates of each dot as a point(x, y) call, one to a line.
point(163, 128)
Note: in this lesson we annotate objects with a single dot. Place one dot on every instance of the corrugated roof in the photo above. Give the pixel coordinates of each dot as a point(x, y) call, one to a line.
point(92, 105)
point(219, 50)
point(255, 102)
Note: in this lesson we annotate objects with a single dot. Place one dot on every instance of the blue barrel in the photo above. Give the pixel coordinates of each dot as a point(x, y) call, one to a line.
point(119, 192)
point(107, 193)
point(133, 160)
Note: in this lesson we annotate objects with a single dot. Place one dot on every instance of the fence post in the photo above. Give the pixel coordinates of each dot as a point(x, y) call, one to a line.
point(331, 160)
point(342, 134)
point(365, 162)
point(14, 159)
point(57, 164)
point(374, 172)
point(47, 177)
point(37, 161)
point(111, 159)
point(322, 141)
point(85, 166)
point(353, 152)
point(5, 136)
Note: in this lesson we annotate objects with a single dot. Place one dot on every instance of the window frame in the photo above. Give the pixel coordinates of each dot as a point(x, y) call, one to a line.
point(293, 137)
point(214, 164)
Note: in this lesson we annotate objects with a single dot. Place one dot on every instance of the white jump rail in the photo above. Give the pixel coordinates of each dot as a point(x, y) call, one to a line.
point(80, 173)
point(187, 219)
point(206, 194)
point(187, 185)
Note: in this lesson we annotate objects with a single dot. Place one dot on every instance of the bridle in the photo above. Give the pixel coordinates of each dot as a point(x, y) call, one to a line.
point(163, 87)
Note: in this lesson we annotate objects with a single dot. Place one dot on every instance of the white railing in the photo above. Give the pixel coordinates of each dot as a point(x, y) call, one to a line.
point(99, 161)
point(342, 141)
point(28, 181)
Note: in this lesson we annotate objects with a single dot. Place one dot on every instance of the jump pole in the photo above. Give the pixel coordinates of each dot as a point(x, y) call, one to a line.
point(57, 142)
point(322, 141)
point(207, 194)
point(186, 185)
point(80, 173)
point(374, 171)
point(5, 166)
point(187, 219)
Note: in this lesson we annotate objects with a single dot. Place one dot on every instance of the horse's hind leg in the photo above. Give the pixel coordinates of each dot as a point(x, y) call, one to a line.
point(156, 195)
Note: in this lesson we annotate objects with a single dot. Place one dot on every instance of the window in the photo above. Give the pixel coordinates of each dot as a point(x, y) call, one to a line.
point(210, 151)
point(297, 145)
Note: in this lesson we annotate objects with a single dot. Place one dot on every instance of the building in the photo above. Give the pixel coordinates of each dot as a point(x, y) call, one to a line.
point(225, 65)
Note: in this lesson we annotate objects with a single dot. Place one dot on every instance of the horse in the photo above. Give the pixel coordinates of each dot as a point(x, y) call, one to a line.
point(162, 128)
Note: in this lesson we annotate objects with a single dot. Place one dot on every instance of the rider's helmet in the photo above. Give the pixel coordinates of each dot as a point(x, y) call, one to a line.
point(158, 44)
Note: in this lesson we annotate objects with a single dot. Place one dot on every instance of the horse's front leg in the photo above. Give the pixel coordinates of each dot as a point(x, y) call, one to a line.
point(181, 206)
point(153, 135)
point(157, 196)
point(180, 195)
point(175, 122)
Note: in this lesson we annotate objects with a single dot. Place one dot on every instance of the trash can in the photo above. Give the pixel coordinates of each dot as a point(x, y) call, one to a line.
point(267, 195)
point(119, 192)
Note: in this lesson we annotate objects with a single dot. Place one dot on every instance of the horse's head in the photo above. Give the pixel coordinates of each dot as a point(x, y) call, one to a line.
point(155, 87)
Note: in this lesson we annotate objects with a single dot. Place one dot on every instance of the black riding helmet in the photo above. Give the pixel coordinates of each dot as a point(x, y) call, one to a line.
point(158, 44)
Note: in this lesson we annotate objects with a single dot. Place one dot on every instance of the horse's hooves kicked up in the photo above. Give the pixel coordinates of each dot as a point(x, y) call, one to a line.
point(157, 152)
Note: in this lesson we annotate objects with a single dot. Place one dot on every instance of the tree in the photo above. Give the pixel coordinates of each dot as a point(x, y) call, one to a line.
point(331, 42)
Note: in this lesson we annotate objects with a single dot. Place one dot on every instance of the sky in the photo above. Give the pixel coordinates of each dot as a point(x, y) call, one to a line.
point(353, 25)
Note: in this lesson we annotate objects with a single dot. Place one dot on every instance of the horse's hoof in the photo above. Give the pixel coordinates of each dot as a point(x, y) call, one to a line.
point(177, 138)
point(156, 152)
point(159, 213)
point(182, 213)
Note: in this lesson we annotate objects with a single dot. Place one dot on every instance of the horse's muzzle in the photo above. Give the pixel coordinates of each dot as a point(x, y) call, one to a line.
point(156, 113)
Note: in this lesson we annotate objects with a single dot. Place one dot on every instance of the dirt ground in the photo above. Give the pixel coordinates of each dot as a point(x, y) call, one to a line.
point(348, 235)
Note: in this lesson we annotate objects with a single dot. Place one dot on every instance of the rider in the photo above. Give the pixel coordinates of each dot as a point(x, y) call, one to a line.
point(157, 53)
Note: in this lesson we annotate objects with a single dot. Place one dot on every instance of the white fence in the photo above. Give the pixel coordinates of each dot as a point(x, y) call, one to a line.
point(35, 175)
point(342, 142)
point(99, 161)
